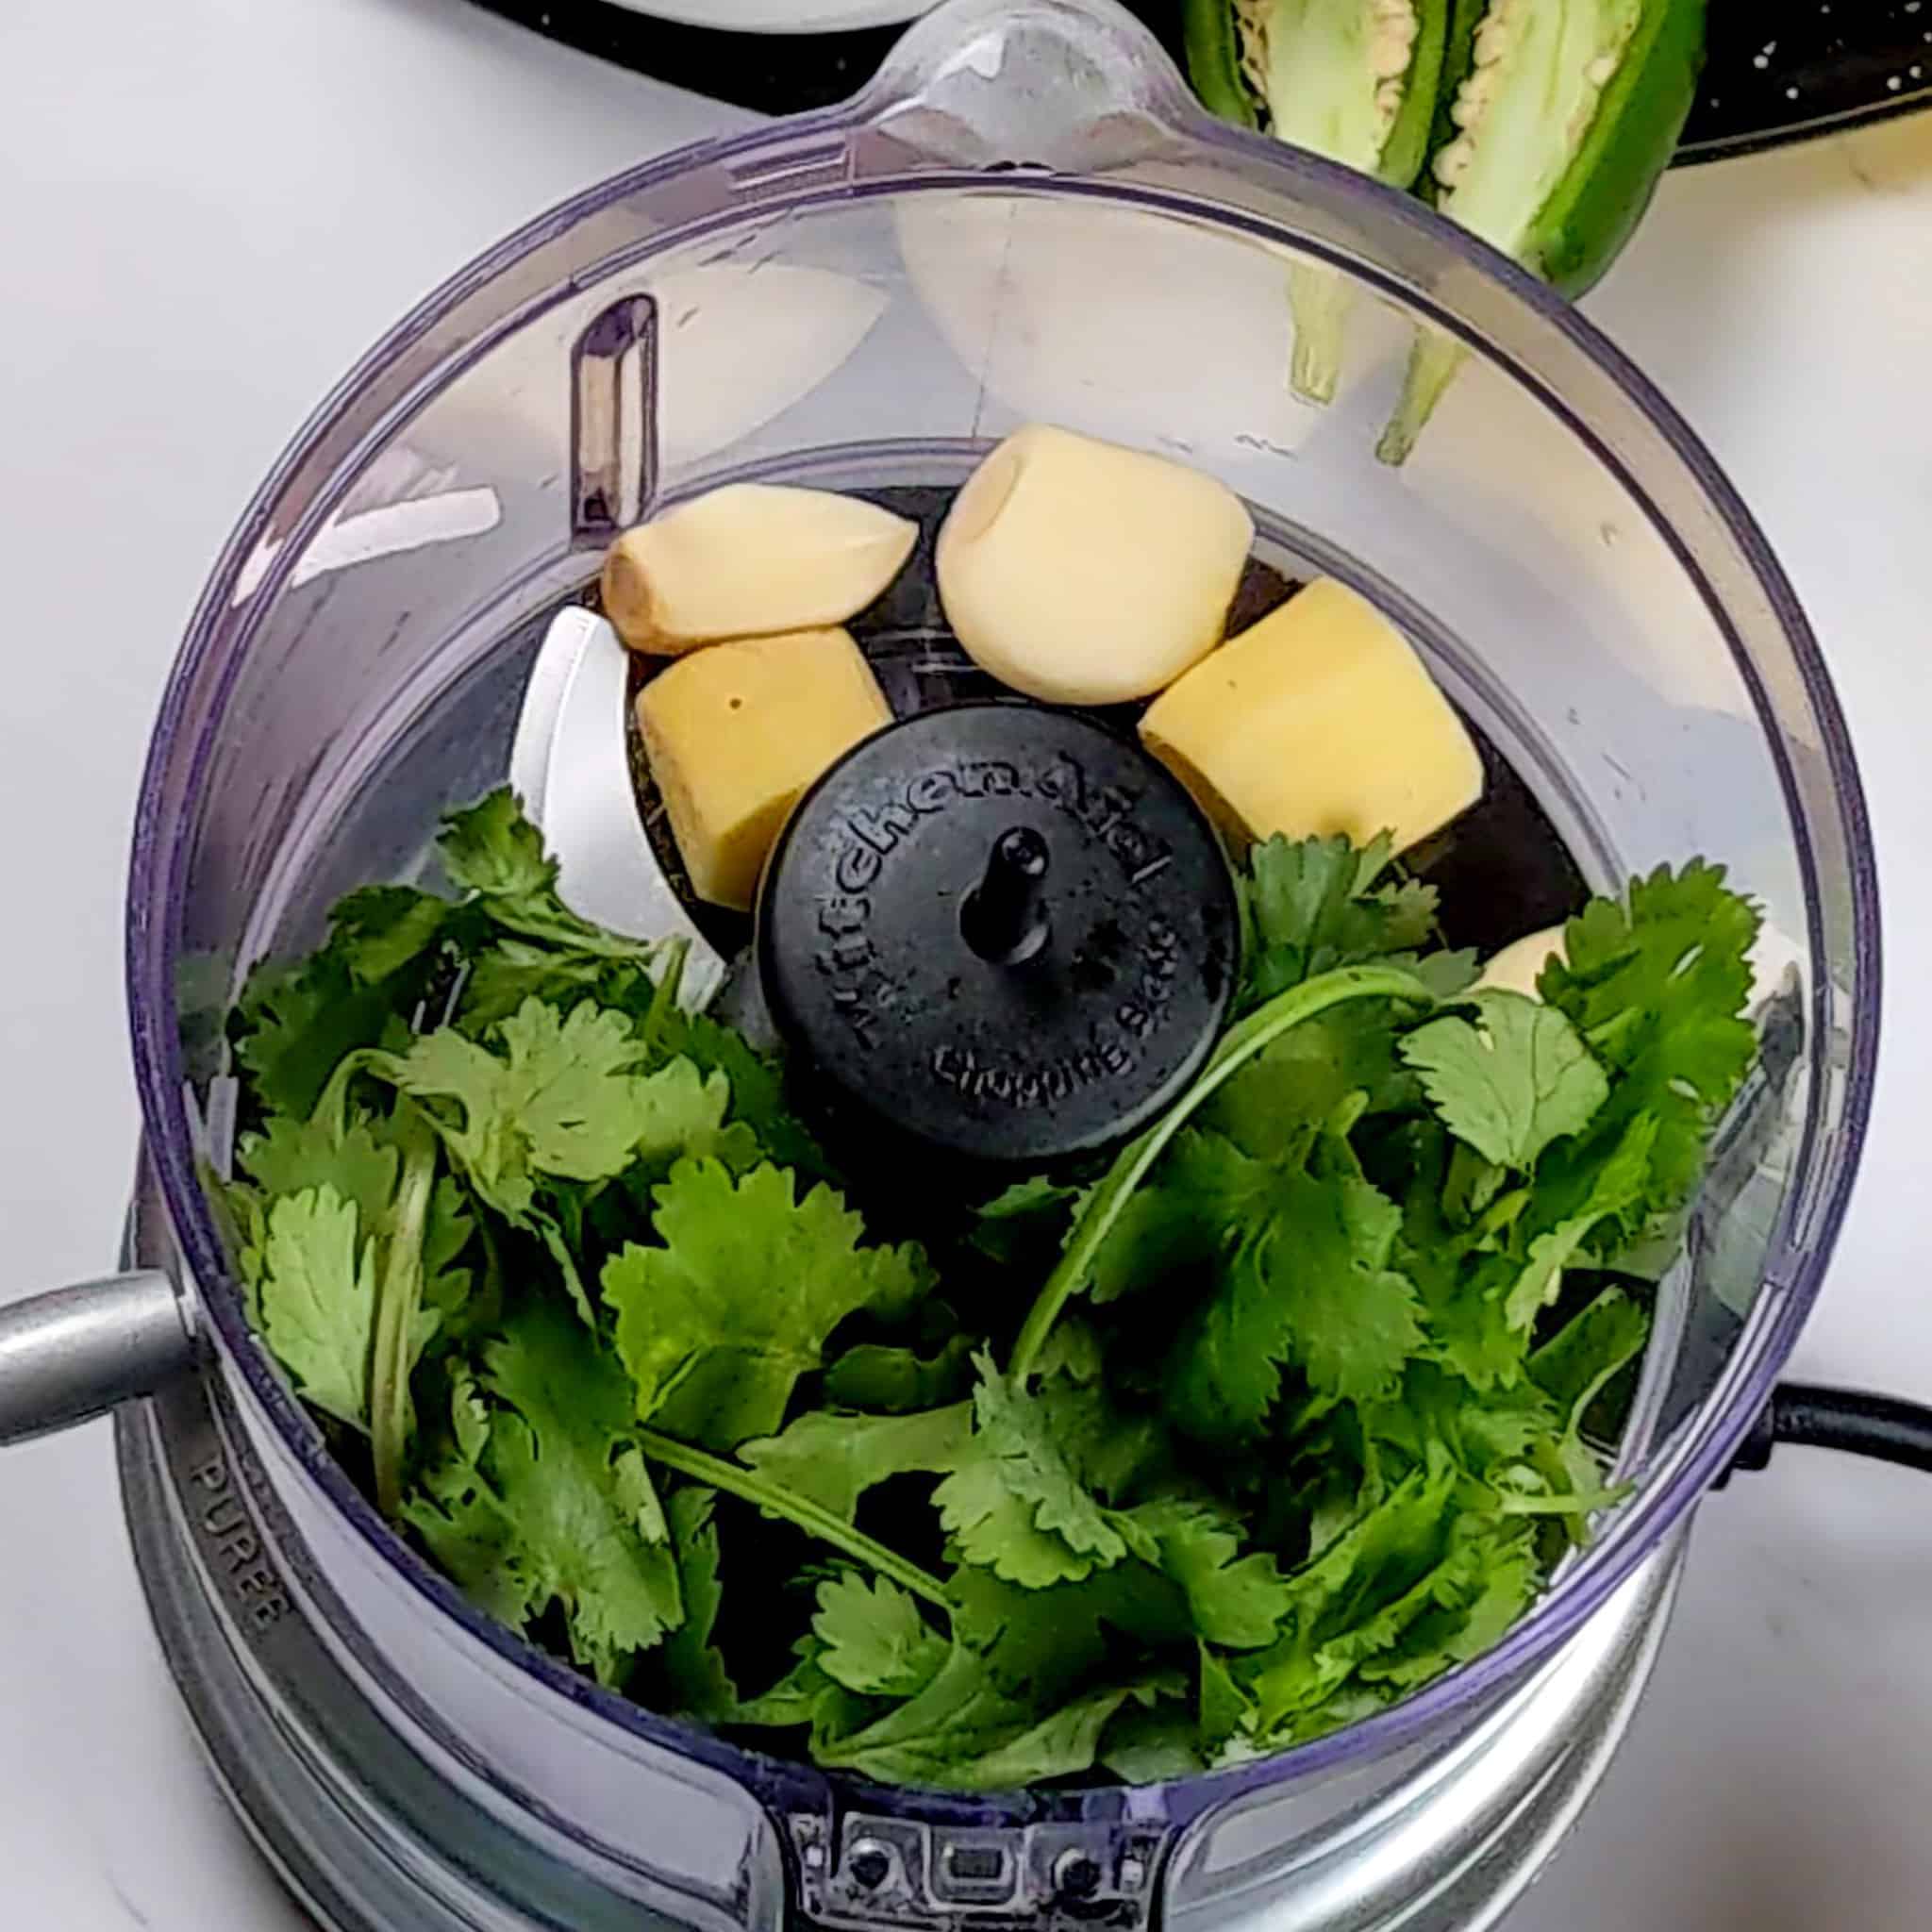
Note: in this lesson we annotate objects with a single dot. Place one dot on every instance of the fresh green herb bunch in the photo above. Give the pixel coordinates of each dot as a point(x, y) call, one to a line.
point(1285, 1412)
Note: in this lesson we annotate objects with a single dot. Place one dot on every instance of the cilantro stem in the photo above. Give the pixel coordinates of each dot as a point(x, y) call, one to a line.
point(813, 1517)
point(398, 1302)
point(1238, 1045)
point(663, 996)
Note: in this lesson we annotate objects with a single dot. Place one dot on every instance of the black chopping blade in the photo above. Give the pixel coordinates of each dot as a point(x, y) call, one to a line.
point(999, 933)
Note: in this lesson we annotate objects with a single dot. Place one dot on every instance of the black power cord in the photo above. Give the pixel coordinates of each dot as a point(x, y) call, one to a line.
point(1880, 1426)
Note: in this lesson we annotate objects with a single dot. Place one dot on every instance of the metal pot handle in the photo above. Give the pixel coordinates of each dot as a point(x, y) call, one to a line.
point(76, 1353)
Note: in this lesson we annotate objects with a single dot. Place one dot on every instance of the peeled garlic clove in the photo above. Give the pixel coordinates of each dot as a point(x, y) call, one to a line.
point(1085, 573)
point(1319, 718)
point(1519, 965)
point(734, 734)
point(751, 559)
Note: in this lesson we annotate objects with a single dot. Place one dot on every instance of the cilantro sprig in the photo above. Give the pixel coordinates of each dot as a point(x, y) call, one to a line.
point(1282, 1412)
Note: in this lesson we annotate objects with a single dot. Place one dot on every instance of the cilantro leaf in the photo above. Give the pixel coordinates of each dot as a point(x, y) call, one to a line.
point(794, 1698)
point(380, 930)
point(505, 974)
point(445, 1239)
point(1313, 904)
point(894, 1380)
point(473, 1542)
point(1511, 1081)
point(318, 1300)
point(492, 851)
point(965, 1730)
point(388, 947)
point(1015, 1503)
point(1574, 1365)
point(805, 1695)
point(1205, 1186)
point(832, 1460)
point(490, 848)
point(717, 1324)
point(1061, 1744)
point(590, 1530)
point(1337, 1062)
point(1100, 1208)
point(561, 1099)
point(1363, 1575)
point(1149, 1746)
point(291, 1155)
point(1224, 1709)
point(469, 1416)
point(756, 1087)
point(1618, 1185)
point(1234, 1600)
point(1309, 1284)
point(875, 1641)
point(293, 1024)
point(1473, 1605)
point(1351, 1318)
point(1449, 1583)
point(696, 1669)
point(1014, 1224)
point(1656, 983)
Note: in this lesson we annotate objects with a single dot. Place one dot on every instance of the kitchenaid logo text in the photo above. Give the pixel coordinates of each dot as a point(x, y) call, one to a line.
point(874, 833)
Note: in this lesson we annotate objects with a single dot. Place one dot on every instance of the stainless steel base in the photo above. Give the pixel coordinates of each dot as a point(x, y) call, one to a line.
point(367, 1836)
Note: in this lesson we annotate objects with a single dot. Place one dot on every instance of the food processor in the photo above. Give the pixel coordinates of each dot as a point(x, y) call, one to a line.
point(1023, 218)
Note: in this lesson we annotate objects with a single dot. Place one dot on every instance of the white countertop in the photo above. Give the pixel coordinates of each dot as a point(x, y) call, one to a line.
point(212, 207)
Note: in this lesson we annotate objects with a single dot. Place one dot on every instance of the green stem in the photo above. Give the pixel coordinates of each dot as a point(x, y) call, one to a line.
point(397, 1304)
point(1238, 1045)
point(562, 929)
point(663, 995)
point(332, 1103)
point(1433, 360)
point(813, 1517)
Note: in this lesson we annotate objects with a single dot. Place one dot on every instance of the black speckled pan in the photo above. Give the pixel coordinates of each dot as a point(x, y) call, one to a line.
point(1777, 72)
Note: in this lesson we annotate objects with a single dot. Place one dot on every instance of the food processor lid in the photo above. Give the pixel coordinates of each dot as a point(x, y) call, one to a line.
point(1071, 94)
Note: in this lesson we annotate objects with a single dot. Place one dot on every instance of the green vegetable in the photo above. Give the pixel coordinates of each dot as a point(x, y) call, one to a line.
point(1307, 1282)
point(1563, 118)
point(1273, 1420)
point(1545, 126)
point(833, 1460)
point(1510, 1080)
point(1017, 1503)
point(1242, 1042)
point(1352, 80)
point(399, 1333)
point(563, 1508)
point(791, 1507)
point(717, 1324)
point(317, 1297)
point(701, 1680)
point(874, 1639)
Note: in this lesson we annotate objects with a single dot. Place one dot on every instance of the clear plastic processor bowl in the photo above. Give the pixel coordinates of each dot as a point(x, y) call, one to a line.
point(1023, 217)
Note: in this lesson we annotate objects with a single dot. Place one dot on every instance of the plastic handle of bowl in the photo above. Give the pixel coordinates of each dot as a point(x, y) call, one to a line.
point(1071, 86)
point(74, 1353)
